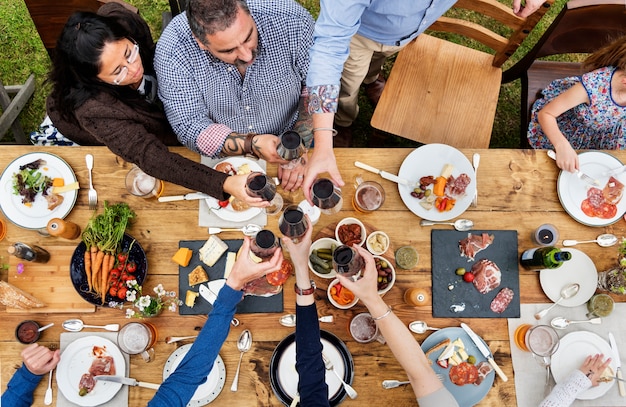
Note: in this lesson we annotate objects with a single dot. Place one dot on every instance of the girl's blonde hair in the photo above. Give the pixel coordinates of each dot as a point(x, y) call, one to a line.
point(613, 54)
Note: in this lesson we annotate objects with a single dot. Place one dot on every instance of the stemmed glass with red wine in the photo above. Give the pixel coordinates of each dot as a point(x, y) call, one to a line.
point(264, 244)
point(259, 184)
point(326, 196)
point(290, 148)
point(293, 223)
point(347, 261)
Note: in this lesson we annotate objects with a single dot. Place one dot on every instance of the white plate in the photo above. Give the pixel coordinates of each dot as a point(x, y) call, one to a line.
point(209, 390)
point(228, 213)
point(579, 269)
point(37, 215)
point(572, 190)
point(430, 160)
point(76, 360)
point(573, 349)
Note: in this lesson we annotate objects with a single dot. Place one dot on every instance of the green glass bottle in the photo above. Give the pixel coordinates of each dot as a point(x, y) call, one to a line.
point(546, 257)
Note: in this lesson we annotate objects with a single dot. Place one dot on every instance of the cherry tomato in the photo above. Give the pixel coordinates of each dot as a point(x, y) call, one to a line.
point(114, 274)
point(131, 267)
point(126, 276)
point(121, 266)
point(223, 204)
point(113, 291)
point(121, 257)
point(121, 293)
point(468, 277)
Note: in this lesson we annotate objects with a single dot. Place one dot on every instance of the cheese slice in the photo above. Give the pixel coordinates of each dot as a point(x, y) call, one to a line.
point(65, 188)
point(182, 256)
point(231, 257)
point(447, 352)
point(197, 276)
point(212, 250)
point(190, 298)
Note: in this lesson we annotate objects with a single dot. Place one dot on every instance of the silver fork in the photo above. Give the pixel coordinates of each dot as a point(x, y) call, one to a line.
point(390, 384)
point(476, 162)
point(93, 195)
point(329, 366)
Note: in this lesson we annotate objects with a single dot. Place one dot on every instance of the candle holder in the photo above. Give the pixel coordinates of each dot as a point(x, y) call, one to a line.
point(546, 235)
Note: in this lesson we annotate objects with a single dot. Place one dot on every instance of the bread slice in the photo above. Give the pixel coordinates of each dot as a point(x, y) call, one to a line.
point(607, 375)
point(14, 297)
point(197, 276)
point(435, 348)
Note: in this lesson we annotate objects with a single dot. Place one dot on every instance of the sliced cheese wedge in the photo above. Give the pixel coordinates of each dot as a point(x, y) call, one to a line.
point(65, 188)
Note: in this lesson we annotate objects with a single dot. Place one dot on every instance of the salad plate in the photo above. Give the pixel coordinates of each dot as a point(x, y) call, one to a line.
point(36, 215)
point(430, 159)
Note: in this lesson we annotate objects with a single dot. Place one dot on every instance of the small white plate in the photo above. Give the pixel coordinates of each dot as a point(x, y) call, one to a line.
point(228, 213)
point(430, 160)
point(573, 349)
point(579, 269)
point(76, 360)
point(209, 390)
point(323, 243)
point(572, 191)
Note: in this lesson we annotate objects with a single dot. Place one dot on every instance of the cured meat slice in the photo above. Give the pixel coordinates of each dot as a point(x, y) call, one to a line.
point(596, 204)
point(261, 288)
point(502, 300)
point(463, 373)
point(102, 366)
point(484, 368)
point(613, 191)
point(456, 186)
point(86, 383)
point(487, 275)
point(472, 244)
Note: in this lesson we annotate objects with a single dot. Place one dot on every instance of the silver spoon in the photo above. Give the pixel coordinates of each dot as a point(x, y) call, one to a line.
point(172, 339)
point(43, 328)
point(462, 225)
point(567, 291)
point(562, 323)
point(76, 325)
point(47, 400)
point(420, 327)
point(605, 240)
point(243, 344)
point(289, 320)
point(390, 384)
point(248, 230)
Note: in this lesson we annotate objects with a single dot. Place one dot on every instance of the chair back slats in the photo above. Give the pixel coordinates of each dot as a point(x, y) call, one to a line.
point(470, 30)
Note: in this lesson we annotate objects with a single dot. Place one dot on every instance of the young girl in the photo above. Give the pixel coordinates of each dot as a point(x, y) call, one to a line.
point(584, 112)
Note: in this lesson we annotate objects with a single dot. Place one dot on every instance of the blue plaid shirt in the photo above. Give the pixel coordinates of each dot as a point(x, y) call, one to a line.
point(205, 99)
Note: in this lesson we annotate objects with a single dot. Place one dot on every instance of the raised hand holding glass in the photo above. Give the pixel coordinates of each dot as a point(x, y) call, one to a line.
point(292, 223)
point(326, 196)
point(291, 148)
point(262, 186)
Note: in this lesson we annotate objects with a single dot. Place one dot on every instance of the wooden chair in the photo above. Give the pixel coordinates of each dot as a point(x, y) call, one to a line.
point(581, 27)
point(11, 108)
point(50, 16)
point(439, 91)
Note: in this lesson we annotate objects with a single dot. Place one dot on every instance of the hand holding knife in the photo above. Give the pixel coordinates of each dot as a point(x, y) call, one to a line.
point(618, 364)
point(484, 350)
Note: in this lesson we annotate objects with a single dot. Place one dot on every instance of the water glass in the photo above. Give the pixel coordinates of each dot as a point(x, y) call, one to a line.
point(141, 184)
point(260, 185)
point(543, 341)
point(290, 148)
point(347, 261)
point(368, 197)
point(326, 196)
point(138, 338)
point(363, 329)
point(264, 244)
point(293, 223)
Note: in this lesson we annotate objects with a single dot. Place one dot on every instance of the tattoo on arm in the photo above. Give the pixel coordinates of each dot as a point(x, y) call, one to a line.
point(233, 144)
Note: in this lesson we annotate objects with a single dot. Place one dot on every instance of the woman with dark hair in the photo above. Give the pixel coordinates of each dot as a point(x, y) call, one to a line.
point(104, 93)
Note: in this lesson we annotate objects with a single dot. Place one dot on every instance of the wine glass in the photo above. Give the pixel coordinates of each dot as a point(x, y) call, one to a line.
point(264, 244)
point(347, 261)
point(326, 196)
point(259, 184)
point(293, 223)
point(543, 341)
point(290, 148)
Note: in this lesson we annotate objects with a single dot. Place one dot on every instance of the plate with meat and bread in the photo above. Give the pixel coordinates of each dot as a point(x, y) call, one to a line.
point(444, 163)
point(593, 206)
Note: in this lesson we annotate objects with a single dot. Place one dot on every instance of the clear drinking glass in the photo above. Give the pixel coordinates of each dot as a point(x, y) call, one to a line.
point(291, 148)
point(259, 184)
point(347, 261)
point(264, 244)
point(543, 341)
point(141, 184)
point(326, 196)
point(293, 223)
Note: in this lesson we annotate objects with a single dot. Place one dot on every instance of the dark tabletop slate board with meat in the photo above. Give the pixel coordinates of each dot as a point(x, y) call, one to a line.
point(446, 258)
point(249, 304)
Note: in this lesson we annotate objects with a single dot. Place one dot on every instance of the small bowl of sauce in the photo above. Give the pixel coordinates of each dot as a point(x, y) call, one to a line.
point(27, 332)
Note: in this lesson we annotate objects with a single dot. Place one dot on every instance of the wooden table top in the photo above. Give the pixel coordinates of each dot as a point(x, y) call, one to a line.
point(516, 192)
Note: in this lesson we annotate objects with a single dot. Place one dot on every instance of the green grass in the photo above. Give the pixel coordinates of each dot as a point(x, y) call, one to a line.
point(22, 53)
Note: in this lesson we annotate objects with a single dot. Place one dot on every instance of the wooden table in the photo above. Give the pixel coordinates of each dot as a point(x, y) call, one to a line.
point(516, 192)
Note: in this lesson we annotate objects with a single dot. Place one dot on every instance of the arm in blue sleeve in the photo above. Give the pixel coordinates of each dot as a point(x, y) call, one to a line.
point(309, 364)
point(19, 392)
point(178, 389)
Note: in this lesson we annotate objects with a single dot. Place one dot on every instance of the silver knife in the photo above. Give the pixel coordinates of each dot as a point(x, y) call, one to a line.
point(581, 175)
point(385, 174)
point(615, 171)
point(127, 381)
point(187, 197)
point(618, 364)
point(484, 350)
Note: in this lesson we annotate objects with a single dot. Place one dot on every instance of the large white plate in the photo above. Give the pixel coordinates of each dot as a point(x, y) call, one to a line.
point(209, 390)
point(430, 160)
point(469, 394)
point(228, 213)
point(579, 269)
point(573, 349)
point(37, 215)
point(76, 360)
point(572, 191)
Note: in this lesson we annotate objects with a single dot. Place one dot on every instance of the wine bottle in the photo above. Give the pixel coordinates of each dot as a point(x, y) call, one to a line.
point(546, 257)
point(32, 253)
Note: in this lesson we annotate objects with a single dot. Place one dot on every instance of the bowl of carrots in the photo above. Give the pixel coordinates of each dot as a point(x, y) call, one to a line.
point(340, 296)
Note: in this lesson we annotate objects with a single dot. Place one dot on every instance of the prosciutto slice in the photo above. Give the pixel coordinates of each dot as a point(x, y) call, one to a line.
point(487, 276)
point(484, 368)
point(473, 244)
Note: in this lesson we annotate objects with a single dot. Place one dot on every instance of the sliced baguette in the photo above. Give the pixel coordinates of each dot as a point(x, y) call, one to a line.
point(437, 347)
point(14, 297)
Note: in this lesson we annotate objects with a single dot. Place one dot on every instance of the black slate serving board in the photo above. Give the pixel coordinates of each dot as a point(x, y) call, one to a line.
point(446, 258)
point(249, 304)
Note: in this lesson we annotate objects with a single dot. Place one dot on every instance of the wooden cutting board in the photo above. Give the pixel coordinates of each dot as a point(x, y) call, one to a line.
point(49, 282)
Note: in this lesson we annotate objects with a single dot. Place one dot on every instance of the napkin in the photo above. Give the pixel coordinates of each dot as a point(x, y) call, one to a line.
point(121, 398)
point(529, 375)
point(207, 218)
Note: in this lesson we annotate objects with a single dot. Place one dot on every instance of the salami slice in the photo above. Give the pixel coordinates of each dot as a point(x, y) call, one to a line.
point(502, 300)
point(463, 373)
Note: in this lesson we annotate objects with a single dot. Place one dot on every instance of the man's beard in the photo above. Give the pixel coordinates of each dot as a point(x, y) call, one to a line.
point(239, 62)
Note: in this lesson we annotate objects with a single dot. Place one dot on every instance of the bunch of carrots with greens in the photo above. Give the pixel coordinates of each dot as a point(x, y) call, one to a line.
point(103, 237)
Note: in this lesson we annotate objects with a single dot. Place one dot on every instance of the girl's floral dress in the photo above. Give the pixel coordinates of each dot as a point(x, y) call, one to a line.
point(595, 126)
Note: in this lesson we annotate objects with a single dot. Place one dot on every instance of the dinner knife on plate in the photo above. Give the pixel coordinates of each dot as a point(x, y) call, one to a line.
point(386, 175)
point(484, 350)
point(187, 197)
point(618, 364)
point(581, 175)
point(127, 381)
